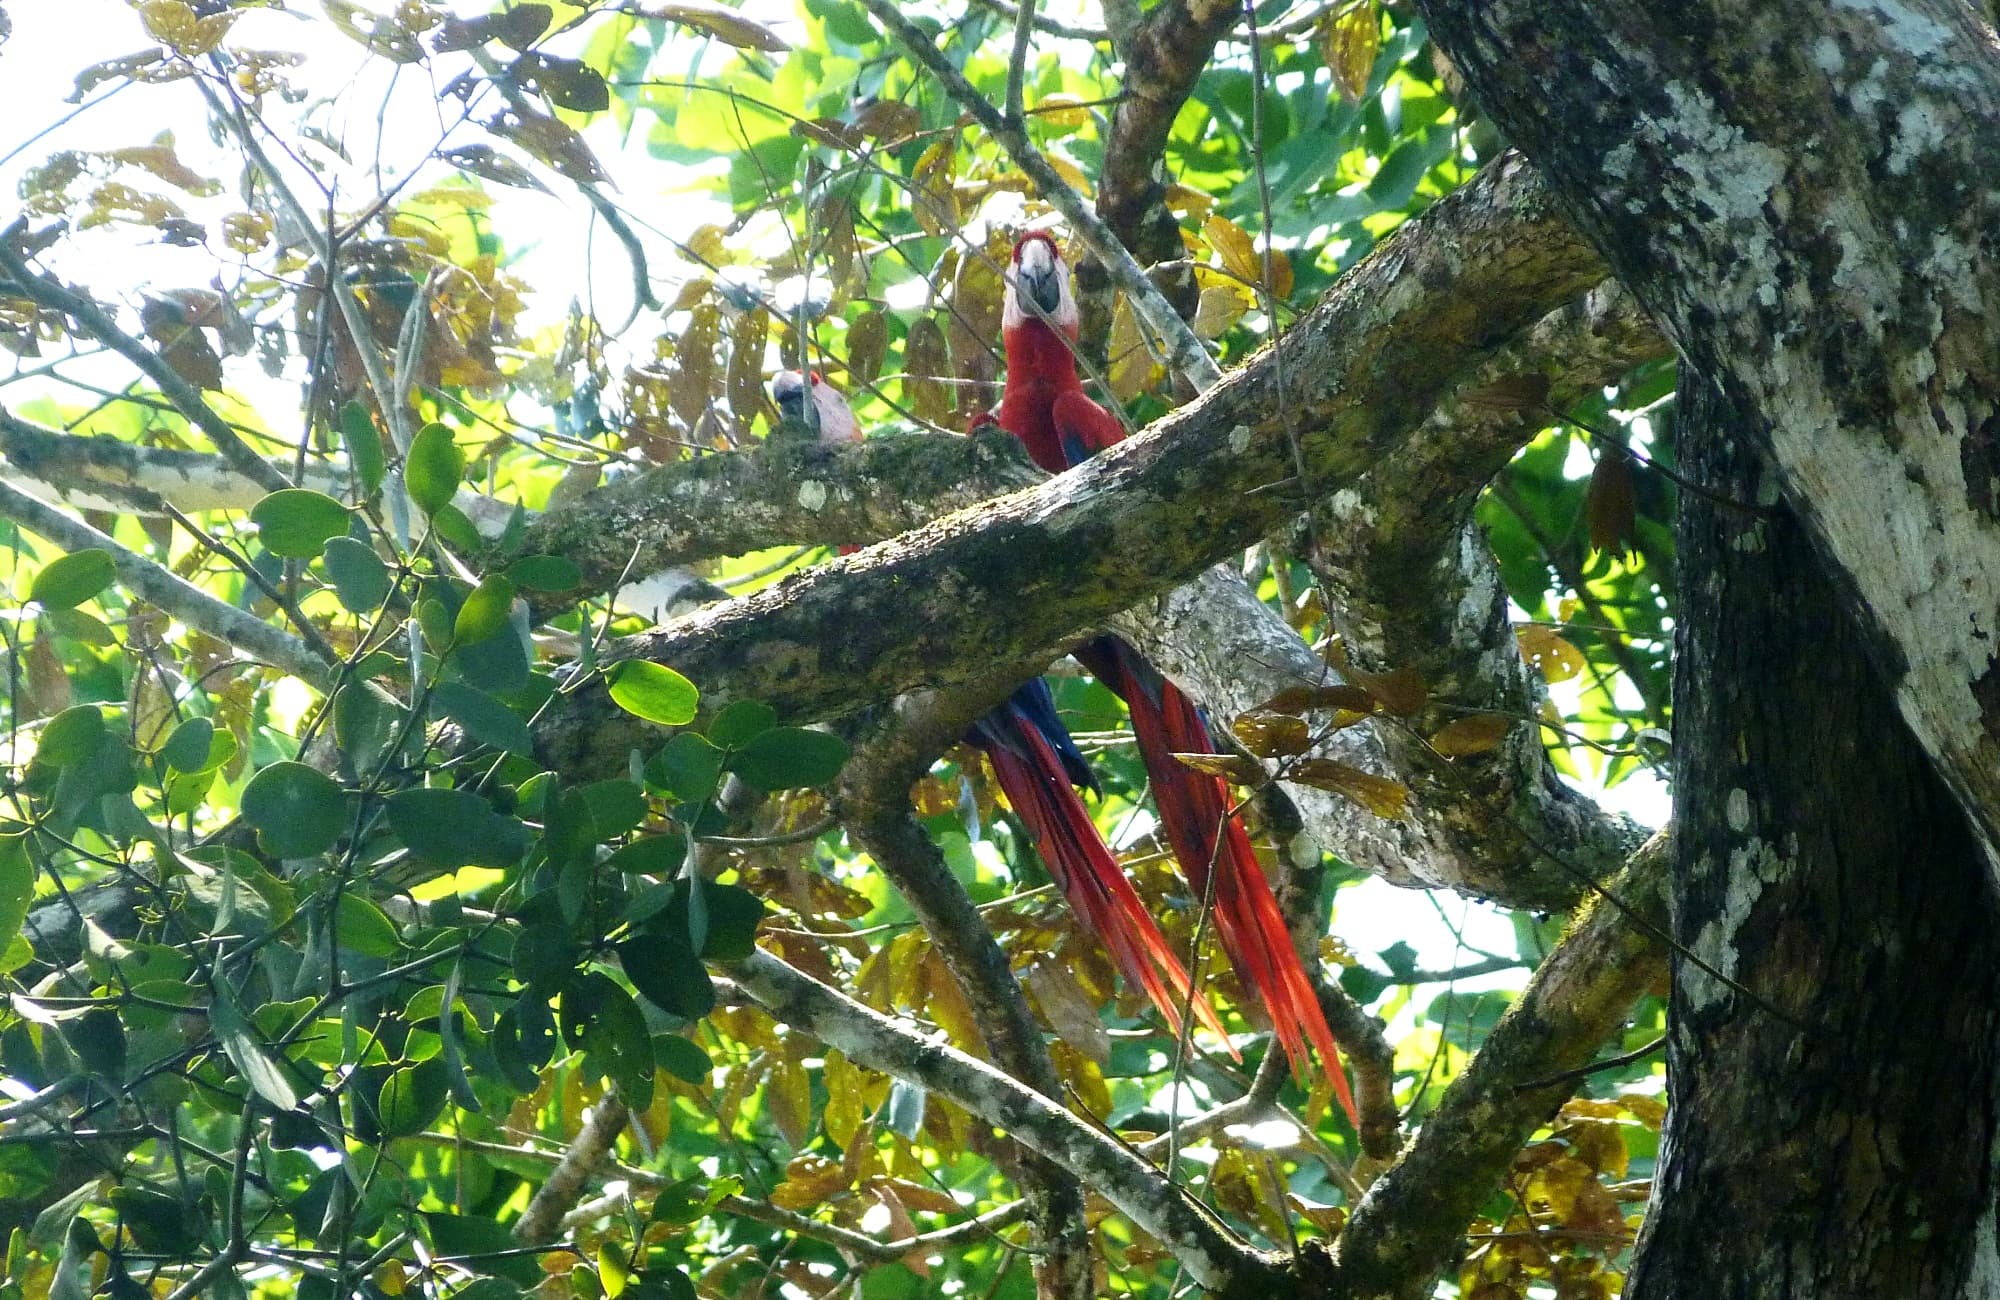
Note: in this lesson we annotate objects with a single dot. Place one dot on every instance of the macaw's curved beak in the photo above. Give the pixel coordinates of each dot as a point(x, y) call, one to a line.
point(1036, 277)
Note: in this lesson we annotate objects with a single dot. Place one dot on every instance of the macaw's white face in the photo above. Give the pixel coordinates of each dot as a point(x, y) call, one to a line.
point(828, 413)
point(1038, 285)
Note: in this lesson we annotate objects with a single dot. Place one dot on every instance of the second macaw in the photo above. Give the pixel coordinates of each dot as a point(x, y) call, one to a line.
point(1039, 770)
point(1045, 406)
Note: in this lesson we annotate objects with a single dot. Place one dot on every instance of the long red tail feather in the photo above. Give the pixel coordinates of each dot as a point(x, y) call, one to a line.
point(1033, 779)
point(1193, 808)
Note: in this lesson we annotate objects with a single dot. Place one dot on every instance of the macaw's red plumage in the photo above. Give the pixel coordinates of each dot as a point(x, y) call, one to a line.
point(1038, 766)
point(1044, 405)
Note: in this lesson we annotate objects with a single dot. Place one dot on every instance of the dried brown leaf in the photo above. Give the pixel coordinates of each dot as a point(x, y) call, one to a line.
point(1268, 733)
point(926, 367)
point(1349, 42)
point(1230, 767)
point(1378, 794)
point(1476, 734)
point(1611, 503)
point(867, 347)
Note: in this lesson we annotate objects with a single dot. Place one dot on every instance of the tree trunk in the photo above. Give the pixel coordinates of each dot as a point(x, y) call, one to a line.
point(1837, 1140)
point(1801, 194)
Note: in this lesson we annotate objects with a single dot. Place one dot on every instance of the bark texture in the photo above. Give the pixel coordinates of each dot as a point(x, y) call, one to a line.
point(1845, 1149)
point(1802, 196)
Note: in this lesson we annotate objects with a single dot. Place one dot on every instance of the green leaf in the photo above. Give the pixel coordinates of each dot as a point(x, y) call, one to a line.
point(188, 748)
point(681, 1057)
point(686, 768)
point(615, 807)
point(654, 692)
point(72, 1279)
point(789, 758)
point(245, 1052)
point(544, 955)
point(358, 575)
point(484, 611)
point(412, 1097)
point(615, 1036)
point(97, 1037)
point(477, 1236)
point(364, 927)
point(69, 580)
point(484, 718)
point(79, 626)
point(545, 573)
point(433, 468)
point(456, 828)
point(652, 855)
point(364, 447)
point(366, 721)
point(297, 810)
point(71, 736)
point(297, 522)
point(451, 1043)
point(458, 532)
point(17, 885)
point(741, 723)
point(667, 972)
point(162, 1223)
point(733, 916)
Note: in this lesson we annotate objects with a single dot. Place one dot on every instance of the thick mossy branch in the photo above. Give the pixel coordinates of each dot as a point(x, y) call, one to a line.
point(1024, 574)
point(1413, 1219)
point(782, 493)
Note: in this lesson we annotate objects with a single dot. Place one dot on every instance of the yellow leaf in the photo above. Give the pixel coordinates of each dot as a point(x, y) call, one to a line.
point(926, 367)
point(1546, 650)
point(809, 1181)
point(1476, 734)
point(1350, 40)
point(1081, 1074)
point(1230, 767)
point(842, 1116)
point(1066, 111)
point(949, 1008)
point(1072, 174)
point(1269, 734)
point(1378, 794)
point(1221, 306)
point(788, 1098)
point(1187, 200)
point(1133, 368)
point(1234, 247)
point(173, 24)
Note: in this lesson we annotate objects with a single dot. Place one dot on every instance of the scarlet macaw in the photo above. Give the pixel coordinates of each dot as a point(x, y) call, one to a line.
point(1039, 770)
point(1044, 405)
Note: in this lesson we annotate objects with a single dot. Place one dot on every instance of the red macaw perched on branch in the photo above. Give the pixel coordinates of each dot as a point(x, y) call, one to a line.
point(1044, 405)
point(1040, 770)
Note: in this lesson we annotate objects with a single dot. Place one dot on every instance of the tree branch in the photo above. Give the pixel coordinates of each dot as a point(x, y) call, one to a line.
point(1411, 1222)
point(1023, 575)
point(873, 801)
point(97, 324)
point(1211, 1256)
point(1825, 264)
point(186, 602)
